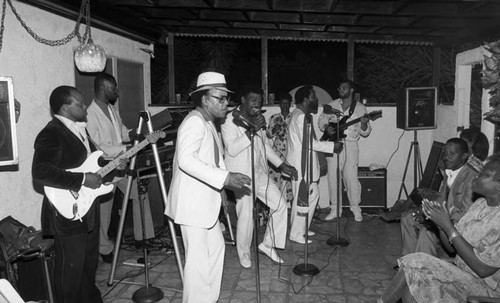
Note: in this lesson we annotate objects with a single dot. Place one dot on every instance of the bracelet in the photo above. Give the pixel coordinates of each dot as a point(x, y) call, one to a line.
point(453, 235)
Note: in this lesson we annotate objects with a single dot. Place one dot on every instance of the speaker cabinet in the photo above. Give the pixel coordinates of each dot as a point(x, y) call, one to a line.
point(416, 108)
point(8, 139)
point(373, 188)
point(432, 177)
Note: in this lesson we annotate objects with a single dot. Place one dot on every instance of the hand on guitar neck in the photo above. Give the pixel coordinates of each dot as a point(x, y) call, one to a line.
point(335, 131)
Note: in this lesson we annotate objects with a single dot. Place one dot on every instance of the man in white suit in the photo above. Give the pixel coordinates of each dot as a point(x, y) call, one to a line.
point(306, 104)
point(236, 136)
point(194, 199)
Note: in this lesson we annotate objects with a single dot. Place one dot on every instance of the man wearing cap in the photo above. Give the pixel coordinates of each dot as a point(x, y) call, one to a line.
point(194, 199)
point(237, 142)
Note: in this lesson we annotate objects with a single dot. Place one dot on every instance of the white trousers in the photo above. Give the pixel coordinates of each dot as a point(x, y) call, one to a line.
point(348, 159)
point(270, 194)
point(298, 221)
point(106, 246)
point(204, 262)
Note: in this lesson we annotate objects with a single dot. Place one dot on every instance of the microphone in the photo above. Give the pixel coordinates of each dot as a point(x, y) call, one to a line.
point(237, 115)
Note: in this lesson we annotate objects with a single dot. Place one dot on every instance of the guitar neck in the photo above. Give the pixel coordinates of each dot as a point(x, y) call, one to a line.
point(370, 116)
point(347, 124)
point(116, 162)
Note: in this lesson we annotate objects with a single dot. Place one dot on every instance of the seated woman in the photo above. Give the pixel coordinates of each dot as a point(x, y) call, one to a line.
point(476, 240)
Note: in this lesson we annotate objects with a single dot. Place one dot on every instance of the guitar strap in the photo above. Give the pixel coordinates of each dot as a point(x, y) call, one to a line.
point(351, 108)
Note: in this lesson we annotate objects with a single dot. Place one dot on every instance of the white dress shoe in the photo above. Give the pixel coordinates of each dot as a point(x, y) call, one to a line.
point(332, 215)
point(300, 240)
point(358, 217)
point(311, 233)
point(245, 261)
point(271, 253)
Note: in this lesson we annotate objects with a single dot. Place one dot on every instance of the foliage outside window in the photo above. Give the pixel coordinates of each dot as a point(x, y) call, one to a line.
point(296, 63)
point(383, 71)
point(491, 80)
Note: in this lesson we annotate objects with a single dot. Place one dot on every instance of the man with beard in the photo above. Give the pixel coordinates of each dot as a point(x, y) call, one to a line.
point(198, 177)
point(349, 156)
point(236, 136)
point(300, 135)
point(108, 132)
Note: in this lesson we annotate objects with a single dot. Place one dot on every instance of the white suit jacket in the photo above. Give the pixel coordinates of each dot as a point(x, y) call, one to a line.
point(104, 133)
point(194, 197)
point(238, 152)
point(295, 141)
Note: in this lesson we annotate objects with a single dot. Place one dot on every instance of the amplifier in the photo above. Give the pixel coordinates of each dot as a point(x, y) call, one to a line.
point(373, 188)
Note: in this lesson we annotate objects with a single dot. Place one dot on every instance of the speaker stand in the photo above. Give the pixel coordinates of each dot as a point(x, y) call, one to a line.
point(417, 166)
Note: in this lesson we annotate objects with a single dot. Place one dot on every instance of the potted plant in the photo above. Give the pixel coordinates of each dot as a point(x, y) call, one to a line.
point(491, 80)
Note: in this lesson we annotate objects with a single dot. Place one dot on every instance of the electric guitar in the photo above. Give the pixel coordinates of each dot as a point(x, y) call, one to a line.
point(343, 125)
point(74, 205)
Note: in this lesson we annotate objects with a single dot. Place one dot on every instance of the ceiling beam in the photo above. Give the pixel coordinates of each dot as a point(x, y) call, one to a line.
point(270, 4)
point(400, 5)
point(333, 5)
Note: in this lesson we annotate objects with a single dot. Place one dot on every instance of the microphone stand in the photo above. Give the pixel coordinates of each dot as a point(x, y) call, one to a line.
point(337, 240)
point(255, 214)
point(306, 269)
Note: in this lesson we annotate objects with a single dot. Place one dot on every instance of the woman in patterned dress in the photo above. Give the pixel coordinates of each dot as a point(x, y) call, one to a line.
point(476, 240)
point(278, 126)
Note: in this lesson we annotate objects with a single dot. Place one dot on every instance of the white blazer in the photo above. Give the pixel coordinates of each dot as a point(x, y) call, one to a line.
point(238, 152)
point(294, 145)
point(109, 137)
point(194, 197)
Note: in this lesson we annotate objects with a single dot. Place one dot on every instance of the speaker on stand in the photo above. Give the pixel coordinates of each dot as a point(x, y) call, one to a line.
point(416, 110)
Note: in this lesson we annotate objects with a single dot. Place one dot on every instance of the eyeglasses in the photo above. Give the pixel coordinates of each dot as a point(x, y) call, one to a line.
point(221, 99)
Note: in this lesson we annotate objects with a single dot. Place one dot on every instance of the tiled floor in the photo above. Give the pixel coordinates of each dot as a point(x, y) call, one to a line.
point(358, 272)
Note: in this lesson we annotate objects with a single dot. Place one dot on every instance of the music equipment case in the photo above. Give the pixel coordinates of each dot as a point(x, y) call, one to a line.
point(373, 188)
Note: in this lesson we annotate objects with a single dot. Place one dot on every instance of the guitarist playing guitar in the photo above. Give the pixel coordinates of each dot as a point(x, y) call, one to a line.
point(344, 110)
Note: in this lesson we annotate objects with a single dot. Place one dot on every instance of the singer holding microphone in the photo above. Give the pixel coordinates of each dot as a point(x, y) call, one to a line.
point(236, 134)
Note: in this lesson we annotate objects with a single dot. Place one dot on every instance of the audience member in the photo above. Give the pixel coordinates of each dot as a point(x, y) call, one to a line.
point(475, 239)
point(455, 191)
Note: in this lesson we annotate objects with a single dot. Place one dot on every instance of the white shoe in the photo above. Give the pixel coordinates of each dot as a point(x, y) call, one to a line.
point(271, 253)
point(332, 215)
point(311, 233)
point(245, 260)
point(358, 217)
point(301, 240)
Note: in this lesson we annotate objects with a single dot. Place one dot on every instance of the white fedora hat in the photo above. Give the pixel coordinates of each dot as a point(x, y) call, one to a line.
point(208, 80)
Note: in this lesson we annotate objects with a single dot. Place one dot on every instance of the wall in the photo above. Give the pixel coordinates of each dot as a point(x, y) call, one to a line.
point(36, 70)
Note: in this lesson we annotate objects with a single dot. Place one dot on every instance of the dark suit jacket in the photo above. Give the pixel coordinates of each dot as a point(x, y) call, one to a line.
point(58, 149)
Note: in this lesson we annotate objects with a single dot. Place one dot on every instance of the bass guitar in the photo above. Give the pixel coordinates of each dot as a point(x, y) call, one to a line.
point(74, 205)
point(343, 125)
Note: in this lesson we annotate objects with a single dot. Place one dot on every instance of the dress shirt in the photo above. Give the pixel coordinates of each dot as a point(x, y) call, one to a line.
point(77, 128)
point(452, 175)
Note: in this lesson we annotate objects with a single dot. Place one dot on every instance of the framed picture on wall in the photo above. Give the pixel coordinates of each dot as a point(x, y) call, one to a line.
point(8, 138)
